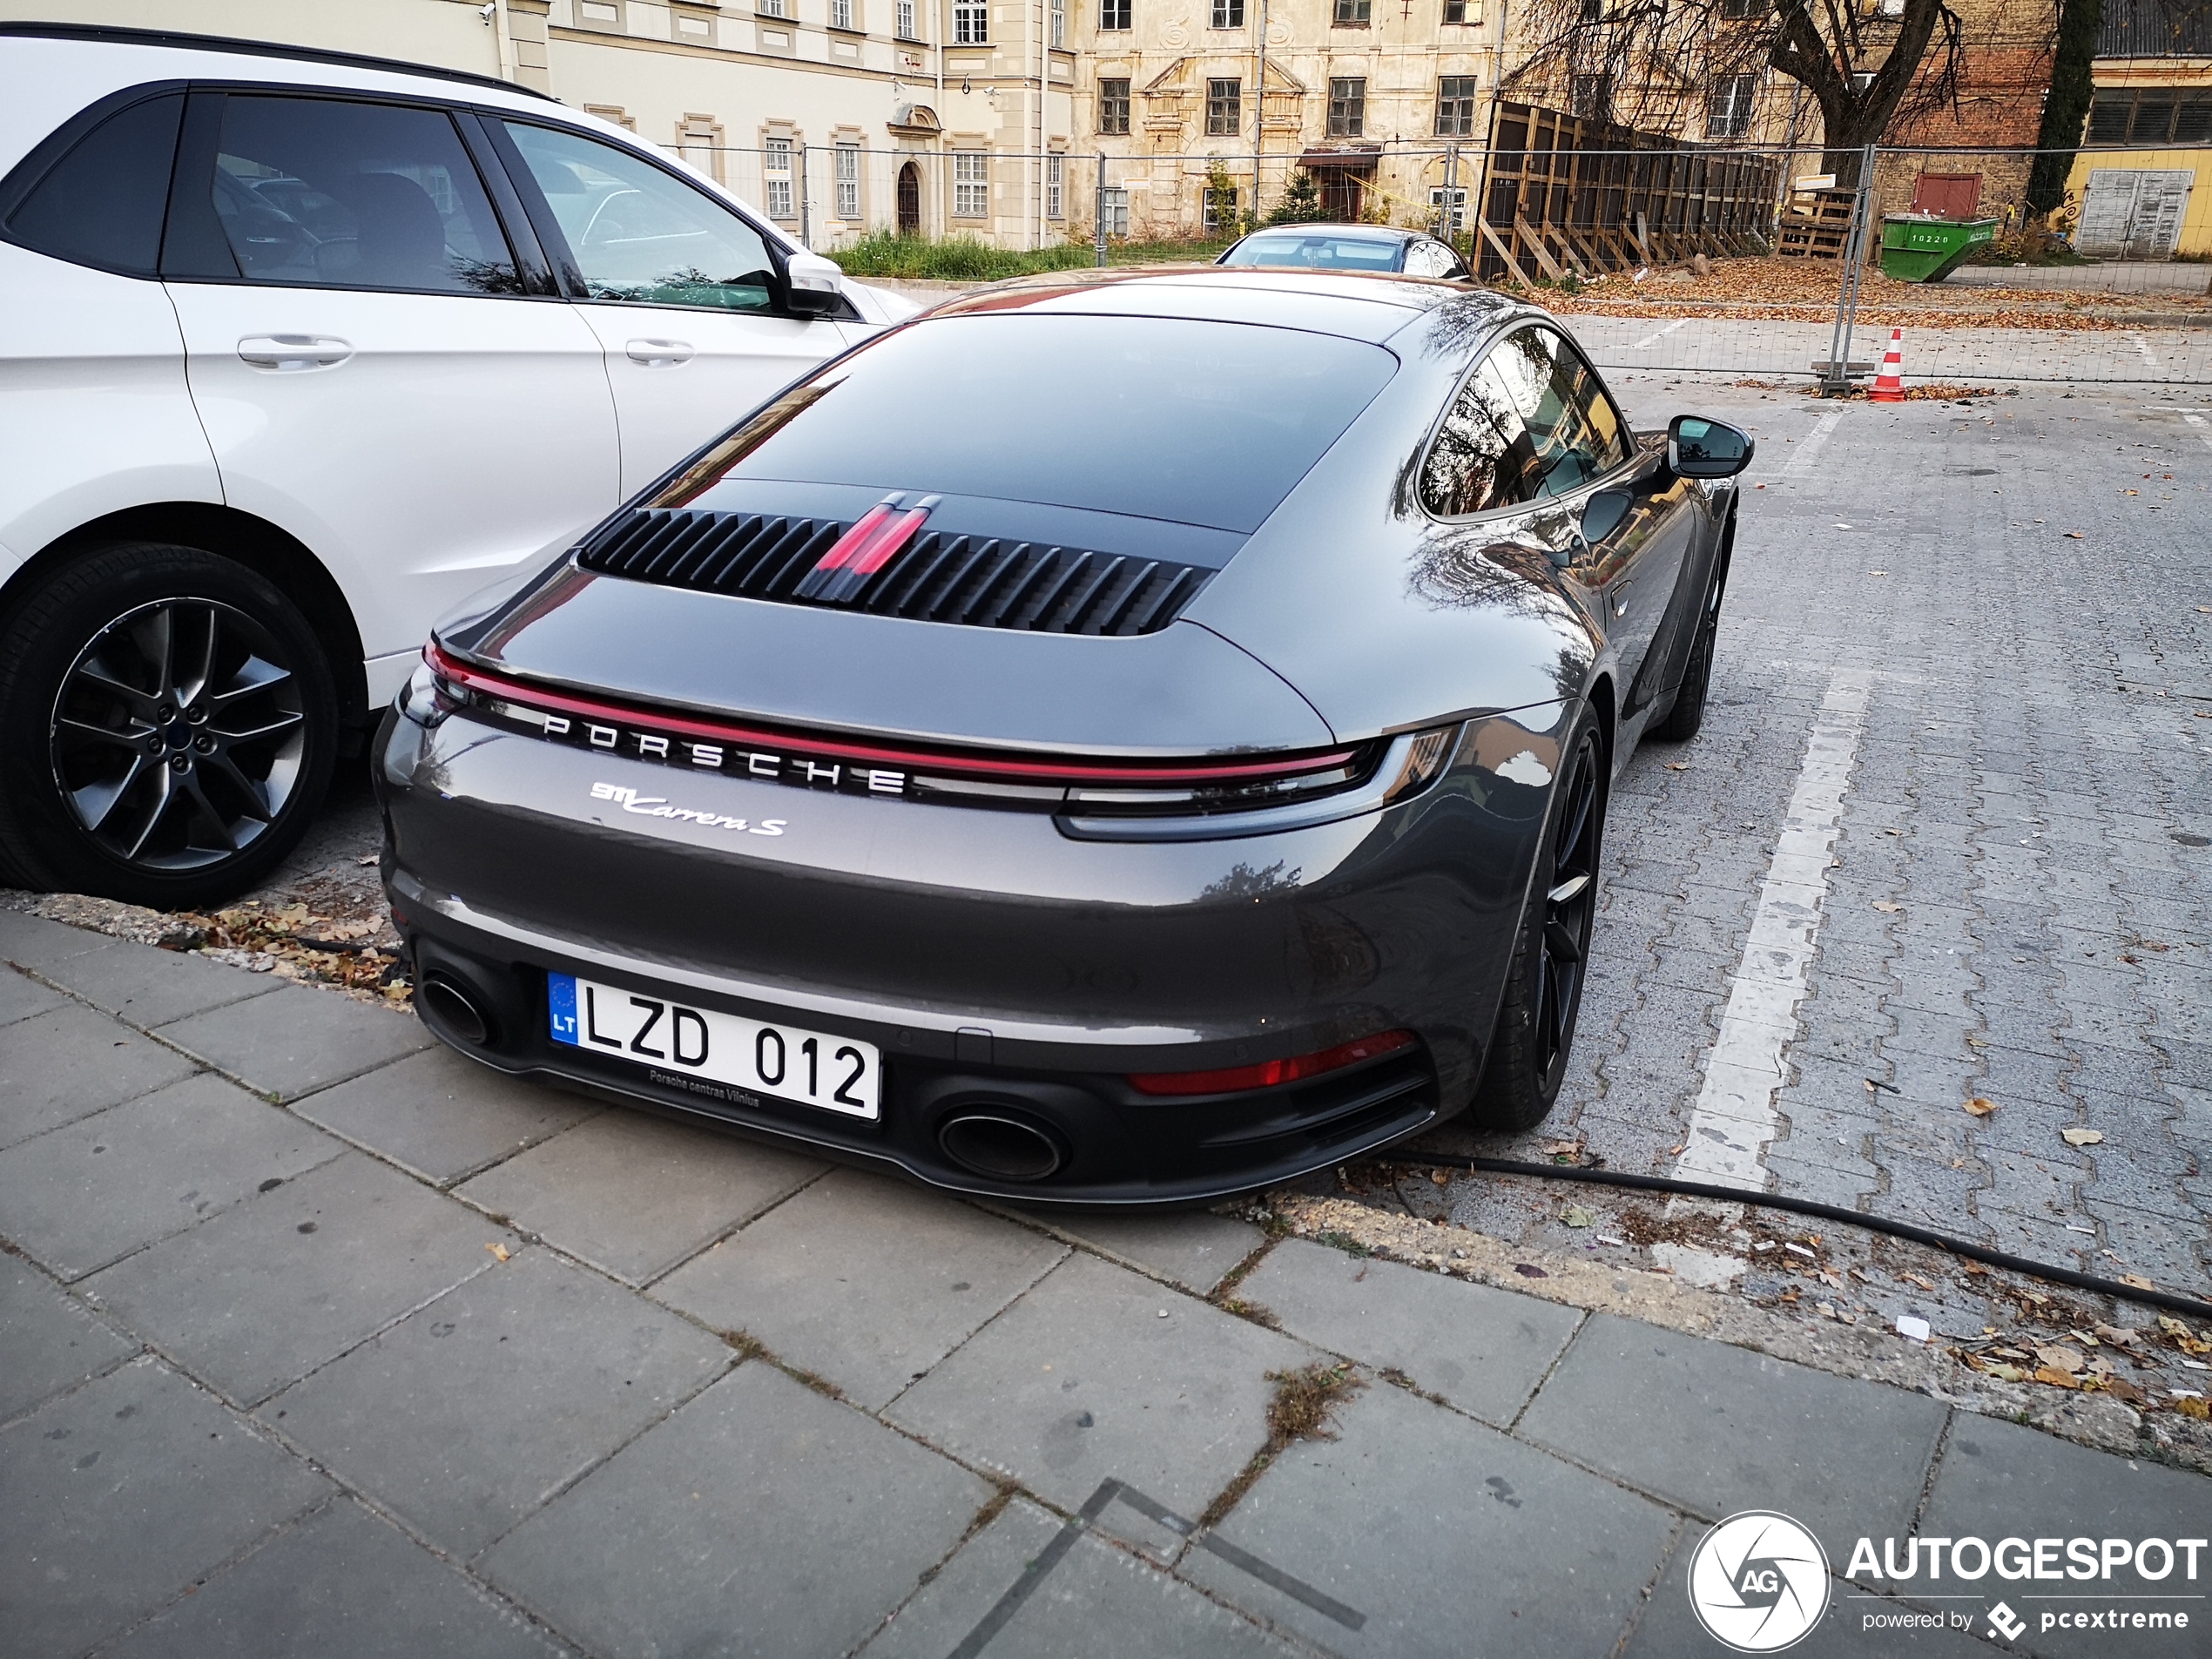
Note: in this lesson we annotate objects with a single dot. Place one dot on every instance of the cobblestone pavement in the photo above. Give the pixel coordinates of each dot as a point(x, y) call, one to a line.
point(2175, 355)
point(322, 1342)
point(1999, 619)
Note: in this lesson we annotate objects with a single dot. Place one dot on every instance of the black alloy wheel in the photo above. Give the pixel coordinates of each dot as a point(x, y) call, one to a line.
point(167, 727)
point(1687, 712)
point(1535, 1029)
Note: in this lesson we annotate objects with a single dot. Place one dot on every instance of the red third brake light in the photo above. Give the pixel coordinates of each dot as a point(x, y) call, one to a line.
point(1268, 1073)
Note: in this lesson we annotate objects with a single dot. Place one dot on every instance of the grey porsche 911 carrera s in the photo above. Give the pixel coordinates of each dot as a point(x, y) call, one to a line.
point(1119, 737)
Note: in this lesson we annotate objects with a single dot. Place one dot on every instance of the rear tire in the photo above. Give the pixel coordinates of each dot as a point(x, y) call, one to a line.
point(1535, 1029)
point(167, 727)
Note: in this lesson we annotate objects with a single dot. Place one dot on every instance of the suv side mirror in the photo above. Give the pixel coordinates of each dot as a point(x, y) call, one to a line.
point(1697, 448)
point(813, 287)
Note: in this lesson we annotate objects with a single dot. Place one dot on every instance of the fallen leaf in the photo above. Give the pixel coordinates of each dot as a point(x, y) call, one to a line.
point(1979, 1106)
point(1577, 1215)
point(1878, 573)
point(2194, 1407)
point(2137, 1281)
point(2074, 536)
point(1914, 1279)
point(2121, 1388)
point(2055, 1379)
point(1888, 906)
point(2114, 1335)
point(2006, 1373)
point(499, 1251)
point(1439, 1177)
point(2081, 1136)
point(1678, 765)
point(1530, 1270)
point(2058, 1357)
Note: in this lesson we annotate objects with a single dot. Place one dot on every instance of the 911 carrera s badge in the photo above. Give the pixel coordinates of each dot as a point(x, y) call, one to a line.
point(657, 807)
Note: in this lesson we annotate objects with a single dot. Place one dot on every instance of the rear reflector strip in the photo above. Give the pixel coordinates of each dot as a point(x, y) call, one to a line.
point(642, 734)
point(1269, 1073)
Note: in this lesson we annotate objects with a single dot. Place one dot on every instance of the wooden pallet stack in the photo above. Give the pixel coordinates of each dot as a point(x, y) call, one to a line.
point(1815, 226)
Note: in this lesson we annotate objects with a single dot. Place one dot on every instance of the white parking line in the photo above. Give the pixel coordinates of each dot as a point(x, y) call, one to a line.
point(2143, 346)
point(2197, 421)
point(1654, 339)
point(1814, 439)
point(1734, 1117)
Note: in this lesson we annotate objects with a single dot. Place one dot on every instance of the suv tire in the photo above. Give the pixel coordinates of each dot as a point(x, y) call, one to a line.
point(167, 727)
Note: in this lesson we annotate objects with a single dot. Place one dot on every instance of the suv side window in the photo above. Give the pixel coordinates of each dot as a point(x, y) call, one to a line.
point(643, 236)
point(101, 204)
point(1560, 429)
point(332, 194)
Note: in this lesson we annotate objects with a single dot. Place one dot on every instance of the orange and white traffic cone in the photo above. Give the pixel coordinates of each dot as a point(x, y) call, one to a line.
point(1889, 385)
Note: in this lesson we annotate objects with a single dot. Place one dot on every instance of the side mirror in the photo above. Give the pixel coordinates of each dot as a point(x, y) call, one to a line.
point(1697, 448)
point(813, 287)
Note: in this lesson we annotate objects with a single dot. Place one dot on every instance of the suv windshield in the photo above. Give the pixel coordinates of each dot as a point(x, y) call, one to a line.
point(1316, 251)
point(1206, 423)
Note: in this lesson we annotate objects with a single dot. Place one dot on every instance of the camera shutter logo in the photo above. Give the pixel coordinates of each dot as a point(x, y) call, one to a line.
point(1758, 1582)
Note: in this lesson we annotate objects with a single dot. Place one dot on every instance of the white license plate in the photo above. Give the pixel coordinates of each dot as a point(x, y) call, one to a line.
point(714, 1054)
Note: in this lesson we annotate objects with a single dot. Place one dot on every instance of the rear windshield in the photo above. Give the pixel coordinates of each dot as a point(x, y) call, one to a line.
point(1316, 251)
point(1202, 423)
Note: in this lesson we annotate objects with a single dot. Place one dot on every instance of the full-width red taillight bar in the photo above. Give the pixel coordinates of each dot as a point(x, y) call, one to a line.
point(1268, 1073)
point(1195, 774)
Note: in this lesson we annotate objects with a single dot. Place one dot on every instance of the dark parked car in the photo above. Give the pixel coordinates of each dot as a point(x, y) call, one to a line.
point(1116, 739)
point(1347, 247)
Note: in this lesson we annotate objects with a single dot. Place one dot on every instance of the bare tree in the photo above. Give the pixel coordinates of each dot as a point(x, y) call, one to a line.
point(1690, 67)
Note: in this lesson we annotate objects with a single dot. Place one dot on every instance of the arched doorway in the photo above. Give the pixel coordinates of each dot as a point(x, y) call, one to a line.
point(910, 200)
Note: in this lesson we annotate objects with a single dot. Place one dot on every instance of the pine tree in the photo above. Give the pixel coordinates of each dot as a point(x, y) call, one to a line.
point(1301, 203)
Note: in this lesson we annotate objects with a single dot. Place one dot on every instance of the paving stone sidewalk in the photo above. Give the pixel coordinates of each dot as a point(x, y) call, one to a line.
point(321, 1340)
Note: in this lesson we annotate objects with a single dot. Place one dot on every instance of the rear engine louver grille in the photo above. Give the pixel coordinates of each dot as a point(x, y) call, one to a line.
point(985, 582)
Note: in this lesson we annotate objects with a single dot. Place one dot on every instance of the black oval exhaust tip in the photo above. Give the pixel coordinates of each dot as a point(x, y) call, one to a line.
point(1005, 1148)
point(455, 1010)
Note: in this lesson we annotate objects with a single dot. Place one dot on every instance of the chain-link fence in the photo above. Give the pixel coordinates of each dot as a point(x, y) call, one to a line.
point(1766, 261)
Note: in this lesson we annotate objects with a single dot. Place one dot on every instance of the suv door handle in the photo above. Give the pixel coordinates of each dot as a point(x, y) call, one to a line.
point(290, 352)
point(659, 353)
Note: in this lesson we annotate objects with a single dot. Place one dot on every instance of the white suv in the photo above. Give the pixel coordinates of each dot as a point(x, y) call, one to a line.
point(297, 350)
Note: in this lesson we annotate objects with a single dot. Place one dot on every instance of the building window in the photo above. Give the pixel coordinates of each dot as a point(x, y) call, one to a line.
point(1224, 108)
point(971, 184)
point(848, 181)
point(1059, 23)
point(1113, 211)
point(1467, 11)
point(1055, 186)
point(1449, 208)
point(1591, 95)
point(1228, 14)
point(905, 25)
point(1348, 108)
point(971, 23)
point(1455, 106)
point(840, 13)
point(1220, 218)
point(1728, 105)
point(1113, 16)
point(1352, 14)
point(1742, 11)
point(699, 142)
point(775, 173)
point(2155, 115)
point(1113, 105)
point(769, 8)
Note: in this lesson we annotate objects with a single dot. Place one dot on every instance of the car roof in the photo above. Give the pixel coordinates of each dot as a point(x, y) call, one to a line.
point(1356, 233)
point(181, 40)
point(1356, 305)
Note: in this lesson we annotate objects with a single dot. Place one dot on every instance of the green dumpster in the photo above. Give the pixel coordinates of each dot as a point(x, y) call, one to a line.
point(1919, 247)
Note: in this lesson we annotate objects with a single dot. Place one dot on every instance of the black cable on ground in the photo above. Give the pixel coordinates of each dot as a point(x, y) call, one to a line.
point(2168, 1300)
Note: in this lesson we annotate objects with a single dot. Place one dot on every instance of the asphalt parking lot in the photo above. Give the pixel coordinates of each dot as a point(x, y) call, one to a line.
point(327, 1342)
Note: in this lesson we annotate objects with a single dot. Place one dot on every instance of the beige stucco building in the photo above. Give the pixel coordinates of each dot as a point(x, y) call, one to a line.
point(831, 116)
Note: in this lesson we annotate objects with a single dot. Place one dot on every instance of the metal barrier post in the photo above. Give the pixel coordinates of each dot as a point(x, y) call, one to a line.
point(1099, 217)
point(1836, 381)
point(806, 221)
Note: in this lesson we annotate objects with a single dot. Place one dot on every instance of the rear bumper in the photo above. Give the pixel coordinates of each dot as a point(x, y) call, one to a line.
point(1000, 965)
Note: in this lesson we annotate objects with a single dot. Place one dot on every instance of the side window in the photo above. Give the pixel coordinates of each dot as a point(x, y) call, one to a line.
point(1468, 470)
point(641, 235)
point(102, 202)
point(340, 194)
point(1560, 429)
